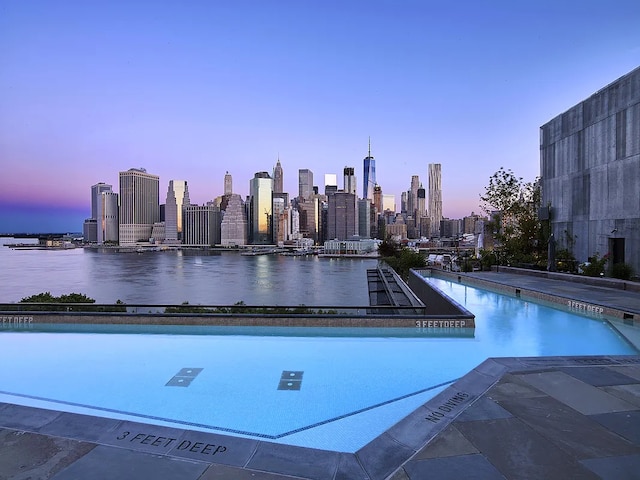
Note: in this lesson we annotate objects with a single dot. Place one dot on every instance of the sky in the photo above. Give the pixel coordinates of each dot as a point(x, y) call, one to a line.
point(192, 89)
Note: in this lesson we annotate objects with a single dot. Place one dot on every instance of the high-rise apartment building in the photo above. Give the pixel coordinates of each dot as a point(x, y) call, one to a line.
point(233, 228)
point(369, 177)
point(435, 197)
point(228, 184)
point(349, 180)
point(261, 209)
point(305, 183)
point(177, 201)
point(471, 223)
point(278, 178)
point(139, 205)
point(107, 219)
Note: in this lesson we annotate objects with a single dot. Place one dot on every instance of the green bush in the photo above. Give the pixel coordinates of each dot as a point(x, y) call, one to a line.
point(622, 271)
point(594, 267)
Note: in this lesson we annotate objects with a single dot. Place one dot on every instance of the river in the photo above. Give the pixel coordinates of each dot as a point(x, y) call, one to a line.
point(174, 277)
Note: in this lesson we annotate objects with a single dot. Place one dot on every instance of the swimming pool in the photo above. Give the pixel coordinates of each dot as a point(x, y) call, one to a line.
point(332, 389)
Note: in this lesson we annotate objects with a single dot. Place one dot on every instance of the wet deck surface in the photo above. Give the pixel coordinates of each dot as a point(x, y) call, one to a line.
point(509, 418)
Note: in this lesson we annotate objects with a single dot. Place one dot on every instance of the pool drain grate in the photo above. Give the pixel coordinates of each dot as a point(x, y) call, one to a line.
point(290, 380)
point(184, 377)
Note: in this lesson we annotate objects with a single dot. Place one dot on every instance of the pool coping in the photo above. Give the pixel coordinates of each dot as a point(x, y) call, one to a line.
point(377, 460)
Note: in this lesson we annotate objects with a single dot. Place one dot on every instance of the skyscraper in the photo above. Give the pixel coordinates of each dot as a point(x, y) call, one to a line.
point(228, 185)
point(90, 227)
point(377, 198)
point(349, 180)
point(305, 183)
point(364, 218)
point(435, 197)
point(96, 190)
point(342, 216)
point(233, 229)
point(421, 208)
point(201, 225)
point(261, 192)
point(369, 177)
point(330, 183)
point(107, 219)
point(277, 178)
point(139, 205)
point(177, 201)
point(413, 195)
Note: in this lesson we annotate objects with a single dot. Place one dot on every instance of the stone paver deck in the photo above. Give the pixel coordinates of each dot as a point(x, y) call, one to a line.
point(509, 418)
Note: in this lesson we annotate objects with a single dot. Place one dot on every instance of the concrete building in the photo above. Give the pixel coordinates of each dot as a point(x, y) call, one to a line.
point(342, 216)
point(305, 183)
point(435, 197)
point(139, 205)
point(377, 199)
point(177, 200)
point(388, 202)
point(96, 191)
point(202, 225)
point(330, 183)
point(107, 219)
point(412, 195)
point(281, 221)
point(472, 224)
point(397, 229)
point(309, 218)
point(233, 228)
point(350, 247)
point(590, 172)
point(421, 208)
point(90, 227)
point(450, 228)
point(364, 218)
point(228, 184)
point(349, 180)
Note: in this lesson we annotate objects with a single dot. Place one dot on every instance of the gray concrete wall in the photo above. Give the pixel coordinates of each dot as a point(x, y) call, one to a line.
point(27, 320)
point(437, 303)
point(590, 169)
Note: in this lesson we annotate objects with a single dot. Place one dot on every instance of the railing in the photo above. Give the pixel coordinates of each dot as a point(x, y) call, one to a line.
point(215, 310)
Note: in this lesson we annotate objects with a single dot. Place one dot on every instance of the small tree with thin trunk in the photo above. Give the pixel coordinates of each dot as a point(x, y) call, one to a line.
point(512, 206)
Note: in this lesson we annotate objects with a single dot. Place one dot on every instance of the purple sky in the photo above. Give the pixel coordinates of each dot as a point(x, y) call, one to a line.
point(189, 90)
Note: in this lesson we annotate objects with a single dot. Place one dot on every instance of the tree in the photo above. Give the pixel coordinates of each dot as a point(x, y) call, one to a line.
point(46, 297)
point(512, 206)
point(400, 258)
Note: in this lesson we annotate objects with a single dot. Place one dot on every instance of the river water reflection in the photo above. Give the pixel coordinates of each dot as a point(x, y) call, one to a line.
point(174, 277)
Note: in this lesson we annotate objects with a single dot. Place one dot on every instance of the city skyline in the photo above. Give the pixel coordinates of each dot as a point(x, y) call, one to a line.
point(192, 91)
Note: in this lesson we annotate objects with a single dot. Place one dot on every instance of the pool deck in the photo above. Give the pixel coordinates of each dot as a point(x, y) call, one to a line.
point(509, 418)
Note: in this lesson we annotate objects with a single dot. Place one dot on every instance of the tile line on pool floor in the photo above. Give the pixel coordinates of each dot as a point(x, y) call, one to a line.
point(362, 410)
point(231, 430)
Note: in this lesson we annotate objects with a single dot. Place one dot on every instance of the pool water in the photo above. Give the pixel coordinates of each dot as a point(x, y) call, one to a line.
point(333, 389)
